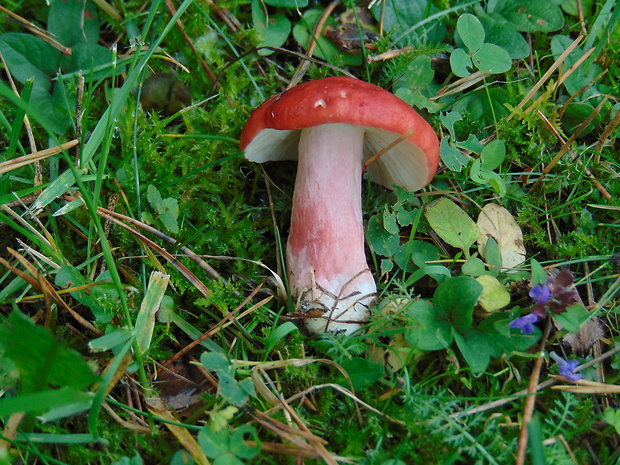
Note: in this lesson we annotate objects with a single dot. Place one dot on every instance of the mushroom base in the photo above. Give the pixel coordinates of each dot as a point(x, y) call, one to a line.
point(325, 312)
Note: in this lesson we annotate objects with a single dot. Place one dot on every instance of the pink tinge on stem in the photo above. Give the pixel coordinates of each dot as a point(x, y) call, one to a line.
point(326, 261)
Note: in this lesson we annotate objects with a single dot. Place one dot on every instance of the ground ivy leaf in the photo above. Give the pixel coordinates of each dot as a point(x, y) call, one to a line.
point(452, 224)
point(573, 318)
point(455, 298)
point(362, 372)
point(475, 350)
point(425, 331)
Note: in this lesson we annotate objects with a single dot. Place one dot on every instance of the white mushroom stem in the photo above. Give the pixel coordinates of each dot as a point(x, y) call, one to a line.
point(327, 269)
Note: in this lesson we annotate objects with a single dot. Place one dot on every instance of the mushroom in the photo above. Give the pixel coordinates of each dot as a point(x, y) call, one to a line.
point(330, 126)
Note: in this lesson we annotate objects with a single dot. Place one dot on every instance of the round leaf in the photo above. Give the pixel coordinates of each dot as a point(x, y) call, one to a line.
point(424, 330)
point(455, 299)
point(471, 31)
point(460, 63)
point(492, 59)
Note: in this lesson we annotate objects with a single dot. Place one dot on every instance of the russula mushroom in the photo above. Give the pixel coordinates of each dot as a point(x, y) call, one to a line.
point(331, 126)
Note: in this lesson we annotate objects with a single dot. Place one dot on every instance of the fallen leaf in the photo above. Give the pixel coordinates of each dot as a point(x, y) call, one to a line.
point(497, 222)
point(494, 295)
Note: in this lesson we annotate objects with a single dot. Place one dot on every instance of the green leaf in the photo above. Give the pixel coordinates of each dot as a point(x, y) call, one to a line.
point(539, 276)
point(424, 330)
point(475, 350)
point(110, 341)
point(237, 393)
point(471, 31)
point(532, 15)
point(272, 30)
point(68, 277)
point(40, 358)
point(452, 224)
point(42, 401)
point(145, 322)
point(493, 154)
point(73, 22)
point(451, 156)
point(362, 372)
point(400, 17)
point(473, 266)
point(573, 318)
point(238, 445)
point(503, 34)
point(612, 416)
point(154, 197)
point(455, 299)
point(380, 240)
point(389, 221)
point(461, 63)
point(169, 220)
point(278, 334)
point(213, 444)
point(29, 57)
point(492, 59)
point(493, 256)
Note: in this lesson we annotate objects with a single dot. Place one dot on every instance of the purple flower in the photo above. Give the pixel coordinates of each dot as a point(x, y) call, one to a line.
point(524, 323)
point(540, 293)
point(566, 369)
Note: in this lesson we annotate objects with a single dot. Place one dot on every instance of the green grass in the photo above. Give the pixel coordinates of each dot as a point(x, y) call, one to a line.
point(156, 186)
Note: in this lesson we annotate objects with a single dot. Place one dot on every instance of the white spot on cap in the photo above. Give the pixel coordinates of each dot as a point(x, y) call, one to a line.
point(320, 103)
point(343, 94)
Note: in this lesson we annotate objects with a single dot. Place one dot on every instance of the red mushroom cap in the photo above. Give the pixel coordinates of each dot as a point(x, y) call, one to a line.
point(272, 132)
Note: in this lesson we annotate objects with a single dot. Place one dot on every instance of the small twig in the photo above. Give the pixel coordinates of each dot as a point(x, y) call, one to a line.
point(530, 400)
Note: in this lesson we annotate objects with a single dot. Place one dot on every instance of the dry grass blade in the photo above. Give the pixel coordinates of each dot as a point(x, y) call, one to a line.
point(222, 324)
point(15, 163)
point(547, 75)
point(191, 277)
point(565, 148)
point(204, 265)
point(37, 31)
point(584, 386)
point(39, 282)
point(315, 441)
point(460, 85)
point(189, 443)
point(588, 173)
point(318, 29)
point(294, 451)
